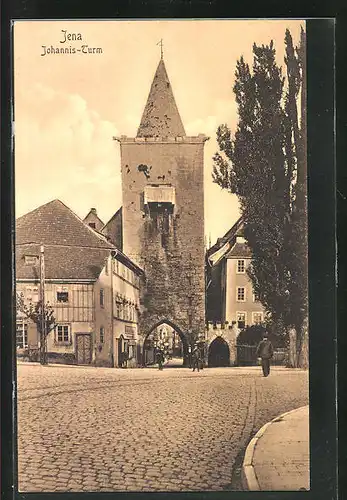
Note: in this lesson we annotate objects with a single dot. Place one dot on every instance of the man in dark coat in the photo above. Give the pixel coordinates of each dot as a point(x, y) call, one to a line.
point(160, 358)
point(265, 352)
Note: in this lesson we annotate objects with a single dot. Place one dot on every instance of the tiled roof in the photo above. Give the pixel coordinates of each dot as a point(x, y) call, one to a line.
point(228, 237)
point(239, 250)
point(55, 224)
point(72, 250)
point(161, 117)
point(62, 262)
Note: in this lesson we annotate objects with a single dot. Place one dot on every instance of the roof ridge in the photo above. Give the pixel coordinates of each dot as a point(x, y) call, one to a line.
point(102, 238)
point(38, 226)
point(41, 206)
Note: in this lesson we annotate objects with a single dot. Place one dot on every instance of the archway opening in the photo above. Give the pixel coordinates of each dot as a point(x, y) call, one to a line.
point(218, 353)
point(166, 337)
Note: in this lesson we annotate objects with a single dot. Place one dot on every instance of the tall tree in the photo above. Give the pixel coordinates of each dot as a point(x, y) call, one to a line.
point(260, 165)
point(296, 70)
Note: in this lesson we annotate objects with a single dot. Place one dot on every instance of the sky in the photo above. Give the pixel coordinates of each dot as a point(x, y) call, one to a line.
point(68, 107)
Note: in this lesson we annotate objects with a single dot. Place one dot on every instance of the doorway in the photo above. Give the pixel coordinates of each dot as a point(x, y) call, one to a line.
point(218, 353)
point(83, 348)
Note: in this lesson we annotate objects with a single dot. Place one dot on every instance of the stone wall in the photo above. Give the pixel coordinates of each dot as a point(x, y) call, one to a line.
point(168, 246)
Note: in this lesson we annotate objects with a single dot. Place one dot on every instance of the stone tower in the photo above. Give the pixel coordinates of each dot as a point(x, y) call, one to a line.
point(163, 213)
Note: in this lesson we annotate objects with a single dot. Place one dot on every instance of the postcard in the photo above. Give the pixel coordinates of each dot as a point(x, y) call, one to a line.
point(161, 255)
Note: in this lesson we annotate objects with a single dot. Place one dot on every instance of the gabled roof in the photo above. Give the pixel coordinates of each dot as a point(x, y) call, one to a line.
point(224, 244)
point(55, 224)
point(161, 117)
point(62, 262)
point(73, 251)
point(92, 214)
point(118, 213)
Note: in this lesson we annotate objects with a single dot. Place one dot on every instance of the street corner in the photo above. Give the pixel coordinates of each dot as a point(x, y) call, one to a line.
point(277, 458)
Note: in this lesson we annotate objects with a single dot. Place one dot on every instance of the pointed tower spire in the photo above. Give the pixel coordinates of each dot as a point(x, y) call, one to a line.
point(161, 117)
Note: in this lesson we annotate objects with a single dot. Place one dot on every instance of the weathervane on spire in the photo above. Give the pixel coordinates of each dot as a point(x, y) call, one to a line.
point(161, 48)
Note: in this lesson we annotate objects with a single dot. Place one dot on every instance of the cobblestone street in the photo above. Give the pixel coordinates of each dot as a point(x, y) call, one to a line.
point(99, 429)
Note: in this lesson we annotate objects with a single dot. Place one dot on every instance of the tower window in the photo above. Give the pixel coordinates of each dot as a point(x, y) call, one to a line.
point(92, 225)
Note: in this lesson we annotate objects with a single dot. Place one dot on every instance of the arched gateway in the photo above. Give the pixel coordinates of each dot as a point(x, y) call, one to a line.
point(166, 334)
point(219, 353)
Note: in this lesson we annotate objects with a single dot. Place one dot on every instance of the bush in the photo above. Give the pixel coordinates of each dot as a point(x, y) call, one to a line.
point(252, 335)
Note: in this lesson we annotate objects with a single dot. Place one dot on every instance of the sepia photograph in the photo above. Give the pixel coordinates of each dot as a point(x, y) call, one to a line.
point(161, 261)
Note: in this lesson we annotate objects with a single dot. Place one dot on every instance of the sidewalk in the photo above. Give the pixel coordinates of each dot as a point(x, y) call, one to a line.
point(277, 458)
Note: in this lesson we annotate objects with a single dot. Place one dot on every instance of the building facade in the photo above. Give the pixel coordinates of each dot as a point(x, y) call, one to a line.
point(92, 287)
point(230, 294)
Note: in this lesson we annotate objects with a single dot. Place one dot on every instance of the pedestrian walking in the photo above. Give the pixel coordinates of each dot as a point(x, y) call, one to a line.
point(189, 356)
point(196, 358)
point(265, 352)
point(160, 358)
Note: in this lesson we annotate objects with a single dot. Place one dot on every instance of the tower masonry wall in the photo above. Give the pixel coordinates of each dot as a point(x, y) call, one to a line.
point(169, 248)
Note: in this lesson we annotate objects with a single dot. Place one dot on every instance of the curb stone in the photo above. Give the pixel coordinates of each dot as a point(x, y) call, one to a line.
point(248, 476)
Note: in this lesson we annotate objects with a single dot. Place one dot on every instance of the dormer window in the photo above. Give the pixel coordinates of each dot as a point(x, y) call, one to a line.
point(31, 260)
point(92, 225)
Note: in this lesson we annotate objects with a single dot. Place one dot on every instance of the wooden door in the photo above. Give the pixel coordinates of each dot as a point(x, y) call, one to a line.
point(83, 348)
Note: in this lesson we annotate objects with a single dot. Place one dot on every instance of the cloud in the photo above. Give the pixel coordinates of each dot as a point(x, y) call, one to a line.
point(65, 150)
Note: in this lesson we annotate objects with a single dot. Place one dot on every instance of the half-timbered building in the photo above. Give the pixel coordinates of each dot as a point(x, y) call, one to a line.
point(92, 286)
